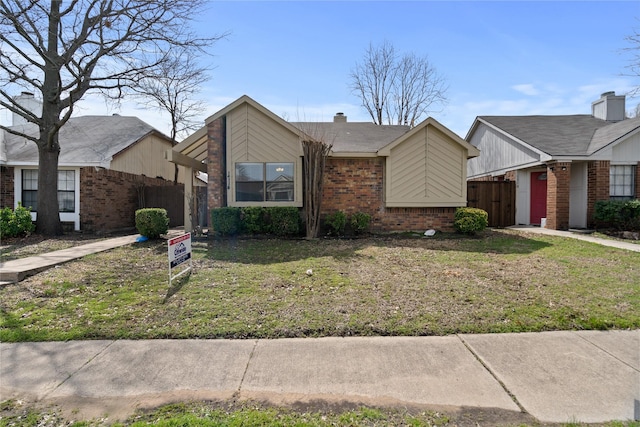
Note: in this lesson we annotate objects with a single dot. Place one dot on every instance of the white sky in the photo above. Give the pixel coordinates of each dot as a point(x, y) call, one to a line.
point(499, 58)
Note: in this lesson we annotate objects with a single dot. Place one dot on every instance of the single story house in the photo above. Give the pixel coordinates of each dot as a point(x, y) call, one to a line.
point(405, 178)
point(107, 164)
point(561, 164)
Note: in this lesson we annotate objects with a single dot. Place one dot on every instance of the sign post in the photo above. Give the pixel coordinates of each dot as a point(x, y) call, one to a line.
point(179, 253)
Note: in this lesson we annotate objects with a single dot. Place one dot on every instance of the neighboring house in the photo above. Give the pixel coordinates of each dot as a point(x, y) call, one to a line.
point(405, 178)
point(561, 165)
point(106, 164)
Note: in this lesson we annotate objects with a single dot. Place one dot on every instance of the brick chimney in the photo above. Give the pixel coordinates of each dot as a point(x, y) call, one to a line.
point(339, 118)
point(609, 107)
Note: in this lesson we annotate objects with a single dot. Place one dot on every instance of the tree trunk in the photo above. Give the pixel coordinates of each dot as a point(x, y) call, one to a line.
point(315, 154)
point(48, 216)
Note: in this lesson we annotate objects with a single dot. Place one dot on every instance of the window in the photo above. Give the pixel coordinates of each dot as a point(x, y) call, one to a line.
point(30, 189)
point(622, 182)
point(264, 182)
point(66, 190)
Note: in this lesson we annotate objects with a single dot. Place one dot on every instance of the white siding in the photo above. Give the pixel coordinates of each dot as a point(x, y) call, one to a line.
point(497, 153)
point(578, 196)
point(627, 151)
point(523, 198)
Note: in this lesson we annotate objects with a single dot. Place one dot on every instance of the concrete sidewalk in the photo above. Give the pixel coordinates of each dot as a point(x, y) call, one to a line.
point(588, 376)
point(629, 246)
point(16, 270)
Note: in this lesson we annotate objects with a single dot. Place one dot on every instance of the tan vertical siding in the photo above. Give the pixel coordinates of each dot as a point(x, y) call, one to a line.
point(146, 157)
point(252, 136)
point(428, 169)
point(445, 163)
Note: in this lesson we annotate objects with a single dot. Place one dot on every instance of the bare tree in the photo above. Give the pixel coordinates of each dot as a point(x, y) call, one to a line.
point(172, 87)
point(417, 88)
point(634, 62)
point(65, 51)
point(397, 90)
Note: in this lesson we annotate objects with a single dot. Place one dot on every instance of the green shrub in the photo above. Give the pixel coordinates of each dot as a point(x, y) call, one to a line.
point(152, 222)
point(618, 214)
point(360, 222)
point(337, 221)
point(226, 221)
point(254, 220)
point(284, 221)
point(16, 222)
point(470, 220)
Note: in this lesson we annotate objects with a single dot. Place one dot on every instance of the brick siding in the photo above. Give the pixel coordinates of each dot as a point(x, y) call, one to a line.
point(558, 181)
point(597, 186)
point(216, 167)
point(357, 185)
point(109, 199)
point(6, 187)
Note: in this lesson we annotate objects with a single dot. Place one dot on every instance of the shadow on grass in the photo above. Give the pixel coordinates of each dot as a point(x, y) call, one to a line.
point(274, 250)
point(176, 286)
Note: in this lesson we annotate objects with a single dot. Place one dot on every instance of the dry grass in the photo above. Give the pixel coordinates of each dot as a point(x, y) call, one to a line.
point(500, 282)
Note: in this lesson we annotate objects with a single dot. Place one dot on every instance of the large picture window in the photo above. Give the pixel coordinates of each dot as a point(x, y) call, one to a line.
point(66, 190)
point(264, 182)
point(622, 182)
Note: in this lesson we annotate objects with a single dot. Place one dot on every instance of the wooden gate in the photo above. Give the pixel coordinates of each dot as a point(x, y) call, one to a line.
point(498, 198)
point(170, 197)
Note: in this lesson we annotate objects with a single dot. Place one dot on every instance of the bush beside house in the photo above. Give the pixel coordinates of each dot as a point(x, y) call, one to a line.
point(618, 215)
point(152, 222)
point(16, 222)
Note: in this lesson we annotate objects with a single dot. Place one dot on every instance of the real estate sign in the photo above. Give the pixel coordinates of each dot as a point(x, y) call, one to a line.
point(179, 253)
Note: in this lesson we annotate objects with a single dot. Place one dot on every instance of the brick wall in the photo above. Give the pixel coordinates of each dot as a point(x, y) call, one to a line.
point(109, 199)
point(357, 185)
point(597, 186)
point(558, 181)
point(6, 187)
point(216, 166)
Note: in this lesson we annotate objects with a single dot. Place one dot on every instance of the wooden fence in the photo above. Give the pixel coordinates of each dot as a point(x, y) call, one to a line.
point(498, 198)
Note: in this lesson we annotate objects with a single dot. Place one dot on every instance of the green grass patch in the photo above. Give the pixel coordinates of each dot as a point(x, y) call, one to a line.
point(250, 414)
point(499, 281)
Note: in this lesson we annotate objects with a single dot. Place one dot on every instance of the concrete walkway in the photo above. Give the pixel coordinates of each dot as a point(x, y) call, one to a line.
point(588, 376)
point(629, 246)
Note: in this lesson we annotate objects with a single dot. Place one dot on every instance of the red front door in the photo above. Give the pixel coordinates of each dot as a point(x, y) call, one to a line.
point(538, 197)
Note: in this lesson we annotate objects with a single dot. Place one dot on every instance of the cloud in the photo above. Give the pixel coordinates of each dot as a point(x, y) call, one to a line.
point(527, 89)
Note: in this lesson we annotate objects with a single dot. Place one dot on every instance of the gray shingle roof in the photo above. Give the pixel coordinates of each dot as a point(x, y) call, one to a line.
point(571, 135)
point(83, 140)
point(355, 137)
point(611, 133)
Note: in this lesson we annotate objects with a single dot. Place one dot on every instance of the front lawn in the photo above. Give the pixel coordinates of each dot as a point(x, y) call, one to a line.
point(502, 281)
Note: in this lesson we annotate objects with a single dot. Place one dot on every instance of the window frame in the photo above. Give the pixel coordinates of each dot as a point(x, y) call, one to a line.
point(69, 189)
point(265, 182)
point(296, 185)
point(622, 186)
